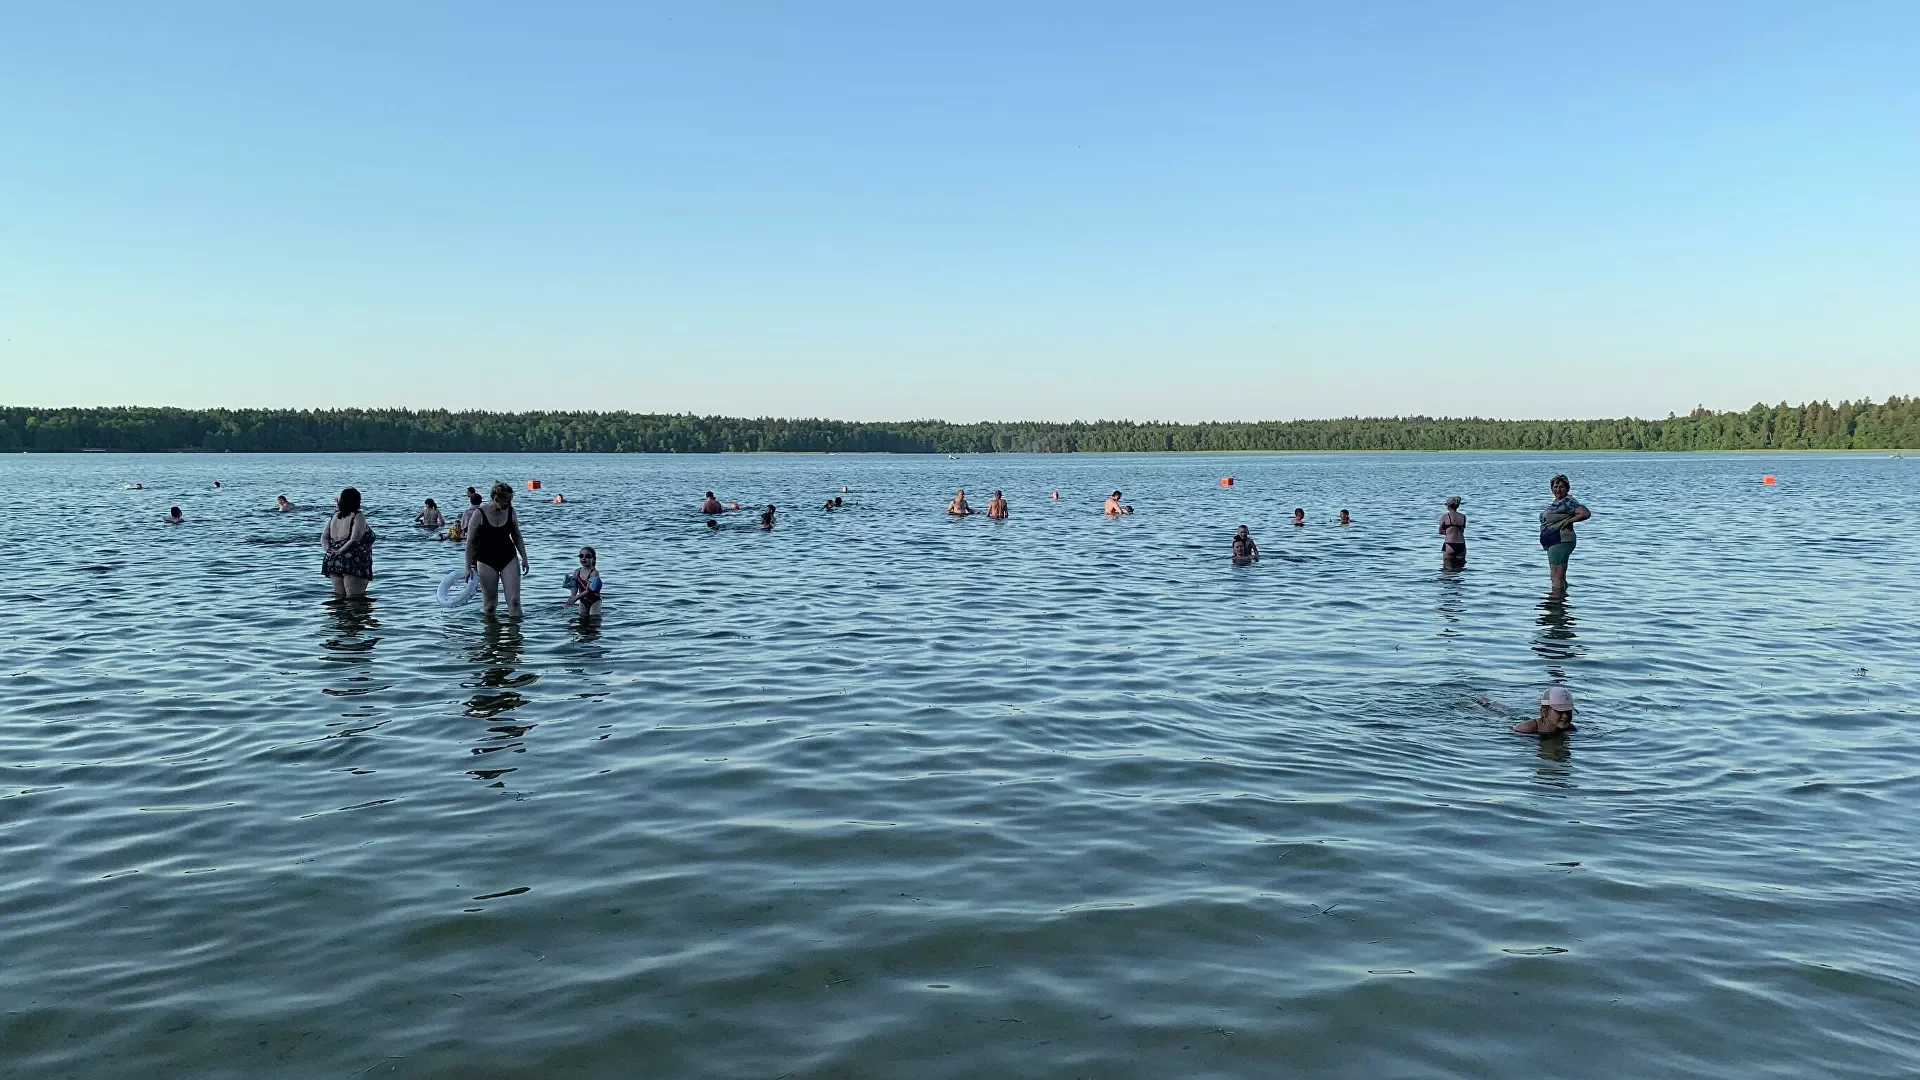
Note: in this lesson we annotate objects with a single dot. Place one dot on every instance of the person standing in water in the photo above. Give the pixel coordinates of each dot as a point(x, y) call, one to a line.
point(348, 543)
point(1299, 515)
point(429, 518)
point(1556, 529)
point(496, 551)
point(712, 505)
point(174, 516)
point(283, 504)
point(997, 506)
point(1113, 507)
point(766, 518)
point(958, 507)
point(583, 585)
point(1245, 551)
point(1453, 536)
point(1346, 518)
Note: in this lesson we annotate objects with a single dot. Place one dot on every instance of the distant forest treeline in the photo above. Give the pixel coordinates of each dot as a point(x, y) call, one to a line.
point(1849, 425)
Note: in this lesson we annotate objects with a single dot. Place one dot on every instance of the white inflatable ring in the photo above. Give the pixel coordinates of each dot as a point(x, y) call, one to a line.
point(458, 587)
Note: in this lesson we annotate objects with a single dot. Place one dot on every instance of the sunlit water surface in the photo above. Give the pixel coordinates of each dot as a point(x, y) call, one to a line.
point(880, 794)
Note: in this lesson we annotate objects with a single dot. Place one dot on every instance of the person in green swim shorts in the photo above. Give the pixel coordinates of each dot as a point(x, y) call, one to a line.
point(1556, 529)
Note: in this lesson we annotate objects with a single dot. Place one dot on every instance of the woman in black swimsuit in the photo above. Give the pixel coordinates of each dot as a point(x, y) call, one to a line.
point(495, 550)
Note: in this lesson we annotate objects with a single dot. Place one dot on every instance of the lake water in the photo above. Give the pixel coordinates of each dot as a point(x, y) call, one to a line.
point(880, 794)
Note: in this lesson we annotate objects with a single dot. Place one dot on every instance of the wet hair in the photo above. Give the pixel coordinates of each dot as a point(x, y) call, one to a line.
point(712, 524)
point(1453, 500)
point(1116, 494)
point(349, 502)
point(709, 494)
point(473, 497)
point(1240, 530)
point(173, 511)
point(502, 492)
point(587, 552)
point(1560, 478)
point(433, 504)
point(1298, 512)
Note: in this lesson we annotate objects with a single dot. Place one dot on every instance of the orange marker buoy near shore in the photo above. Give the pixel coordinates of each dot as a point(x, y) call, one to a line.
point(1767, 479)
point(533, 485)
point(1226, 481)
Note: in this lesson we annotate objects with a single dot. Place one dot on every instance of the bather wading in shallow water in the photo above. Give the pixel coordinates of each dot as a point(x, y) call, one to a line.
point(348, 543)
point(959, 506)
point(997, 506)
point(496, 551)
point(1453, 535)
point(712, 505)
point(583, 584)
point(1556, 529)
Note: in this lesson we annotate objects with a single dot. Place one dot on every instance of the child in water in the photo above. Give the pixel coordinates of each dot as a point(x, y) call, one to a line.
point(583, 585)
point(429, 517)
point(1556, 714)
point(1245, 551)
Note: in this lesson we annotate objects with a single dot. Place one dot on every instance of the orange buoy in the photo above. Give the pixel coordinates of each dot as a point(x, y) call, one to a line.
point(1226, 481)
point(533, 485)
point(1767, 479)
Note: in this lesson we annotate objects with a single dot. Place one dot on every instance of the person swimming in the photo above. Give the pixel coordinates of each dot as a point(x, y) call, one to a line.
point(174, 517)
point(839, 502)
point(712, 505)
point(1113, 507)
point(1245, 551)
point(712, 525)
point(1453, 534)
point(997, 506)
point(958, 507)
point(283, 504)
point(1299, 516)
point(1556, 713)
point(827, 506)
point(583, 585)
point(1346, 518)
point(766, 517)
point(557, 499)
point(429, 517)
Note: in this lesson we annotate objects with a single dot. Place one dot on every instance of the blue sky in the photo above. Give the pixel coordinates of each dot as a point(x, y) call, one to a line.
point(978, 211)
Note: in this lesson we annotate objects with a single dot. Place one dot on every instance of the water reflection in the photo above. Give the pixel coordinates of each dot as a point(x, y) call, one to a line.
point(350, 631)
point(1453, 603)
point(1556, 639)
point(497, 692)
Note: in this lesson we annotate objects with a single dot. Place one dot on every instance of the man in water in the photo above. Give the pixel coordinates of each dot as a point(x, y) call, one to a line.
point(1245, 551)
point(766, 517)
point(1299, 516)
point(1346, 518)
point(997, 506)
point(958, 507)
point(1113, 508)
point(1453, 535)
point(712, 505)
point(827, 506)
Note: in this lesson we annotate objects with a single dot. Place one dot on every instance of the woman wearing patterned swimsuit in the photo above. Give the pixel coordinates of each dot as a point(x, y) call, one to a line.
point(495, 550)
point(348, 543)
point(1556, 529)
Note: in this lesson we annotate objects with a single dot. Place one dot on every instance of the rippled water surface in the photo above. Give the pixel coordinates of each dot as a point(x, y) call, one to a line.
point(881, 794)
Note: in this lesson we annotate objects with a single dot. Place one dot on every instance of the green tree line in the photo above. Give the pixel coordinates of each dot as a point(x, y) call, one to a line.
point(1847, 425)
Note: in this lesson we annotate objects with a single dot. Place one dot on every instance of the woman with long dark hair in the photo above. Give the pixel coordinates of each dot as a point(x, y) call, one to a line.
point(348, 543)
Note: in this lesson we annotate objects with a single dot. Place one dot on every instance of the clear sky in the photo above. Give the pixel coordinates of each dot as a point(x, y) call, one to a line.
point(1177, 211)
